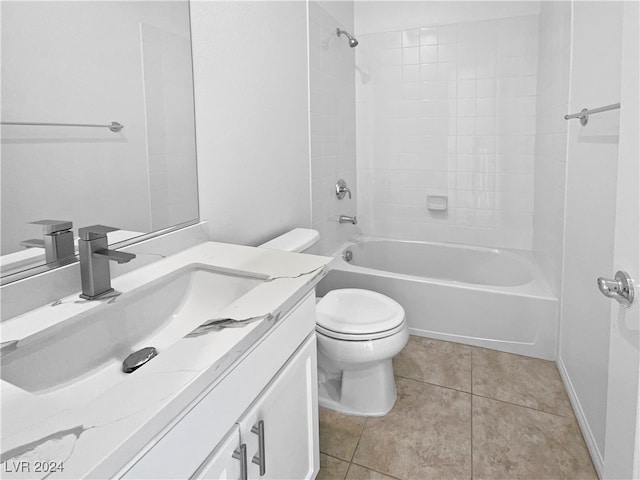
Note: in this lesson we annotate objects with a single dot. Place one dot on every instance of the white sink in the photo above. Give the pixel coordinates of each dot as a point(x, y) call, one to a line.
point(86, 351)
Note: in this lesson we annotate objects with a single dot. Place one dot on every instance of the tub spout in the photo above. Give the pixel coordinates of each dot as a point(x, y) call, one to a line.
point(347, 219)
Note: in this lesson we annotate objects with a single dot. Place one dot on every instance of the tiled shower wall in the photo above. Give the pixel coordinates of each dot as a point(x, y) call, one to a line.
point(449, 110)
point(332, 106)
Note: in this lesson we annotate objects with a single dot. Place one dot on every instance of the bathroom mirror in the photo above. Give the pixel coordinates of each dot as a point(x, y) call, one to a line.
point(70, 69)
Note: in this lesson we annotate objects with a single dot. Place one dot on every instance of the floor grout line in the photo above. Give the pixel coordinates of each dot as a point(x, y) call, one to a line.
point(434, 384)
point(377, 471)
point(359, 437)
point(572, 416)
point(485, 396)
point(346, 474)
point(471, 439)
point(333, 456)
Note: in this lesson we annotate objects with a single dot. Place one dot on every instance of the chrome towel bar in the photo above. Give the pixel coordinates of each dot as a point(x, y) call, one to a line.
point(583, 115)
point(113, 126)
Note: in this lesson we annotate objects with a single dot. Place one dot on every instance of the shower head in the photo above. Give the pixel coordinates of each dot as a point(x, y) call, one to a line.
point(352, 41)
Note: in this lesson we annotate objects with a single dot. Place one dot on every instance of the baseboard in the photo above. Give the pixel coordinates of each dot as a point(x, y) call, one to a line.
point(592, 446)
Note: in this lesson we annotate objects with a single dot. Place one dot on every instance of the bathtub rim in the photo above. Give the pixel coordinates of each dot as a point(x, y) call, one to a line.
point(537, 287)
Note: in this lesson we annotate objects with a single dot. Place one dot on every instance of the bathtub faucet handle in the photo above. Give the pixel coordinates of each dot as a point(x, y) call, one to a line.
point(342, 189)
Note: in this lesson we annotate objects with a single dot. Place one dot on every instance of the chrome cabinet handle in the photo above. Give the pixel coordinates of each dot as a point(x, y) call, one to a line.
point(241, 454)
point(259, 459)
point(620, 288)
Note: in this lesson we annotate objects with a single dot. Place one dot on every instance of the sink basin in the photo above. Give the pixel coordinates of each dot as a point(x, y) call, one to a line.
point(88, 349)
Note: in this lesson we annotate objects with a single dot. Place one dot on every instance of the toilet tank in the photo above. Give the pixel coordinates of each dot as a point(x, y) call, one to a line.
point(296, 240)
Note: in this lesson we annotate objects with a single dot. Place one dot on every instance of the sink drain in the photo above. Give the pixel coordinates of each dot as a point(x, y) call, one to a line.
point(138, 359)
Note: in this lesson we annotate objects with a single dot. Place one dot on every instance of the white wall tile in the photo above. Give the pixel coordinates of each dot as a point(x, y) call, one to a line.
point(411, 38)
point(462, 123)
point(428, 36)
point(429, 54)
point(447, 34)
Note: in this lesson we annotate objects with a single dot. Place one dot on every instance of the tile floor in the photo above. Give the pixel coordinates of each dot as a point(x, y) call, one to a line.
point(462, 412)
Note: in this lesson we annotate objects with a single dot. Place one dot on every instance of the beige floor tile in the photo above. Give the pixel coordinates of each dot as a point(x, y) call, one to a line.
point(521, 380)
point(513, 442)
point(339, 433)
point(356, 472)
point(427, 435)
point(435, 361)
point(331, 468)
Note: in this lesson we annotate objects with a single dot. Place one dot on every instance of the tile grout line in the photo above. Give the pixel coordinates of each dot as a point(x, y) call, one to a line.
point(471, 356)
point(377, 471)
point(356, 447)
point(485, 396)
point(359, 437)
point(346, 474)
point(333, 456)
point(434, 384)
point(572, 416)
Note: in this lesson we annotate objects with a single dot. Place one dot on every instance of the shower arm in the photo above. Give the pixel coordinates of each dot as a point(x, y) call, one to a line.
point(352, 41)
point(340, 32)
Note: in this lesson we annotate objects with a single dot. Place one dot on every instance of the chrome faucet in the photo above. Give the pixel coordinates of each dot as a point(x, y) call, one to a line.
point(94, 260)
point(347, 219)
point(57, 240)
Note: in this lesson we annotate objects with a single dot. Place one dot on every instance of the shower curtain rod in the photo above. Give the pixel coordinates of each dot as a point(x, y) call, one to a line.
point(583, 115)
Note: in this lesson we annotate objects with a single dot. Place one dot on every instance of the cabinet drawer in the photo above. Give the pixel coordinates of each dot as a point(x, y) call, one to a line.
point(181, 449)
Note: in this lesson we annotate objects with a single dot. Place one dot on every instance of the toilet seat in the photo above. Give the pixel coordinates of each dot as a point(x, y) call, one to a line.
point(356, 314)
point(358, 337)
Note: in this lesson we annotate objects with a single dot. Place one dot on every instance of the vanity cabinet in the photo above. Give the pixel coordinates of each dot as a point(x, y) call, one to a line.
point(228, 461)
point(264, 410)
point(279, 431)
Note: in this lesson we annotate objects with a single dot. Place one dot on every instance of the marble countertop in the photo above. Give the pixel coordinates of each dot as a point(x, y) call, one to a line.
point(95, 435)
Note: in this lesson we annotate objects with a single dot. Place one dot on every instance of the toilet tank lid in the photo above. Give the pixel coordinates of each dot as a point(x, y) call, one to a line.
point(297, 240)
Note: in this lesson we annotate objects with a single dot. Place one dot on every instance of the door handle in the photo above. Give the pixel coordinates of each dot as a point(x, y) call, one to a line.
point(620, 288)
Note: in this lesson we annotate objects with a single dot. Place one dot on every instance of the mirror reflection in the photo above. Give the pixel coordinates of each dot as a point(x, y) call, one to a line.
point(72, 71)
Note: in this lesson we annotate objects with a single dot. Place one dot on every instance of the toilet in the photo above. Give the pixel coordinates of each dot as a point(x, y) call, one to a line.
point(358, 332)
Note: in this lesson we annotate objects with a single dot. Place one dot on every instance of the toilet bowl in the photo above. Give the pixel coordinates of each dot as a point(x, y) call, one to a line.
point(358, 334)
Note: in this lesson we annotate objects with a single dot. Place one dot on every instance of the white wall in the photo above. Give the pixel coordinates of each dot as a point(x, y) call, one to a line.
point(590, 215)
point(447, 110)
point(87, 175)
point(554, 54)
point(332, 106)
point(251, 91)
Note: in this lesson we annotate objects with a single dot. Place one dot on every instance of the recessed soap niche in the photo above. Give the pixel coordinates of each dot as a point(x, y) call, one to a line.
point(437, 203)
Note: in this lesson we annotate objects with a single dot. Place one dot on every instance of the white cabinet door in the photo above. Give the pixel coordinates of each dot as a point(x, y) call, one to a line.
point(289, 414)
point(226, 461)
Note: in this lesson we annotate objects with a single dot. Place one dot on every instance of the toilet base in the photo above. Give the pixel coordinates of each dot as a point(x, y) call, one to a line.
point(369, 391)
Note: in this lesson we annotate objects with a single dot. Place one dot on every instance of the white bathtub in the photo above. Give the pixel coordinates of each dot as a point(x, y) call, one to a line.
point(479, 296)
